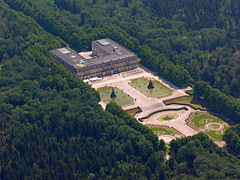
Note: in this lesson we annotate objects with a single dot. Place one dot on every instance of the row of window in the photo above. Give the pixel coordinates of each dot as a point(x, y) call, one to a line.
point(106, 73)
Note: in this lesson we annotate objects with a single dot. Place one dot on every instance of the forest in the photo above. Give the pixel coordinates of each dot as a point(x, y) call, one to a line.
point(217, 101)
point(51, 124)
point(232, 137)
point(200, 36)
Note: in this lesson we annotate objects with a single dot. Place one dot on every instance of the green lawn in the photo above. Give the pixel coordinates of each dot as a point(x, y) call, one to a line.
point(187, 100)
point(215, 135)
point(161, 118)
point(132, 112)
point(122, 99)
point(159, 90)
point(162, 130)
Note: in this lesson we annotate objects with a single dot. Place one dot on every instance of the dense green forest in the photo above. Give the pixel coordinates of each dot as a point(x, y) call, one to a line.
point(232, 137)
point(217, 101)
point(203, 36)
point(51, 124)
point(186, 40)
point(80, 37)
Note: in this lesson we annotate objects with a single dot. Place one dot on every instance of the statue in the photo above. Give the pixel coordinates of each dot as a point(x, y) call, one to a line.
point(113, 95)
point(150, 85)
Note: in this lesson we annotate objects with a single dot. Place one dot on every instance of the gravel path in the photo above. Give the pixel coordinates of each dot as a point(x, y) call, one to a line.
point(166, 138)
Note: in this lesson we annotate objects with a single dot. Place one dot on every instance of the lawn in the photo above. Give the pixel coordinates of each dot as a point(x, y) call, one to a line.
point(162, 130)
point(158, 91)
point(122, 99)
point(215, 135)
point(161, 118)
point(186, 100)
point(132, 112)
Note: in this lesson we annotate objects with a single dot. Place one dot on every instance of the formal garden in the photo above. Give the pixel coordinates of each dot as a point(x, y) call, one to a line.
point(209, 124)
point(164, 130)
point(109, 94)
point(150, 88)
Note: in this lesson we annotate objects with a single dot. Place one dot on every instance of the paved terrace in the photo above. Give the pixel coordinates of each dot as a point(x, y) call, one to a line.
point(148, 104)
point(121, 81)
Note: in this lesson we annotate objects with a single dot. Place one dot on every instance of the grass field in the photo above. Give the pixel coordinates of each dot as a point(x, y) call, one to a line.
point(161, 118)
point(132, 112)
point(186, 100)
point(162, 130)
point(159, 90)
point(199, 120)
point(122, 99)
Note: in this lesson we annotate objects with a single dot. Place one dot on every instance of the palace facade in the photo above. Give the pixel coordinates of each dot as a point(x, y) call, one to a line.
point(107, 57)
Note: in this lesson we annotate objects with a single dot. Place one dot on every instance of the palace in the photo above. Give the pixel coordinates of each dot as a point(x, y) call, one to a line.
point(107, 57)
